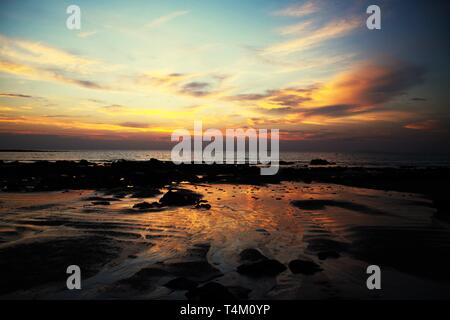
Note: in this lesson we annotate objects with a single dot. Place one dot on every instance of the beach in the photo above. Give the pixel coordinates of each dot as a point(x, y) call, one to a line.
point(153, 230)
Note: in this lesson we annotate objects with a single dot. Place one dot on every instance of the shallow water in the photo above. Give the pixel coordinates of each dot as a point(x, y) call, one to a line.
point(364, 226)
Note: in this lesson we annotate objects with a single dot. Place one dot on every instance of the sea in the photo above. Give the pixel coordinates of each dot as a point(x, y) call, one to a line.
point(353, 159)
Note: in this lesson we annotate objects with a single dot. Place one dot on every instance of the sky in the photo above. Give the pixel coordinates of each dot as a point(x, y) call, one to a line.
point(138, 70)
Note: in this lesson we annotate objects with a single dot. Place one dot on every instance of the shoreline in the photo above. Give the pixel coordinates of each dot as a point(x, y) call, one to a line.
point(134, 176)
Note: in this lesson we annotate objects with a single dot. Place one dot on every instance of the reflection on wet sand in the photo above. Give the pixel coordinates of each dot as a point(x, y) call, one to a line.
point(307, 241)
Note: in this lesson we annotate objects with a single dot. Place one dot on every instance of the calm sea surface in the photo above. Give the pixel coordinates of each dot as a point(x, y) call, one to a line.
point(300, 158)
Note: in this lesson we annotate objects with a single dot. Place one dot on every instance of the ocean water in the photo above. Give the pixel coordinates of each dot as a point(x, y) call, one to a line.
point(298, 158)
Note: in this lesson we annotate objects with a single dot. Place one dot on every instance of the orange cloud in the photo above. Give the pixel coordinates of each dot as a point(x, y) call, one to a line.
point(422, 125)
point(63, 124)
point(40, 74)
point(29, 52)
point(370, 84)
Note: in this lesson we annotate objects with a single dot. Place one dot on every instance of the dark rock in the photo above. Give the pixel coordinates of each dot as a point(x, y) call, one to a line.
point(323, 255)
point(240, 293)
point(263, 231)
point(211, 291)
point(196, 270)
point(198, 251)
point(120, 195)
point(142, 205)
point(441, 201)
point(205, 206)
point(146, 205)
point(180, 197)
point(101, 203)
point(145, 193)
point(320, 162)
point(263, 268)
point(181, 283)
point(143, 279)
point(304, 267)
point(101, 199)
point(150, 272)
point(251, 255)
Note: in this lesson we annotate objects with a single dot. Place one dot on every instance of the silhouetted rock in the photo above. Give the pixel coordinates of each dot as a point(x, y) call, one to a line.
point(304, 267)
point(205, 206)
point(285, 163)
point(200, 271)
point(145, 193)
point(251, 255)
point(320, 162)
point(101, 203)
point(144, 278)
point(263, 268)
point(441, 202)
point(101, 199)
point(145, 205)
point(211, 291)
point(180, 197)
point(181, 283)
point(323, 255)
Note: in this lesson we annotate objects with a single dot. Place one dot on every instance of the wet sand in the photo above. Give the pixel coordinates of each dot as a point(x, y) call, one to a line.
point(180, 252)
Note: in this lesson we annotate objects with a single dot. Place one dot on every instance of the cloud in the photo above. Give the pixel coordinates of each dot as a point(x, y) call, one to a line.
point(295, 28)
point(86, 34)
point(36, 61)
point(330, 112)
point(54, 75)
point(422, 125)
point(332, 30)
point(56, 124)
point(277, 111)
point(196, 88)
point(38, 54)
point(373, 83)
point(339, 110)
point(16, 95)
point(359, 94)
point(164, 19)
point(299, 10)
point(161, 79)
point(287, 97)
point(201, 84)
point(114, 108)
point(134, 124)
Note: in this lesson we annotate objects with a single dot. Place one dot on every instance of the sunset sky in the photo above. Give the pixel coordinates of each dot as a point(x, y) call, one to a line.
point(137, 70)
